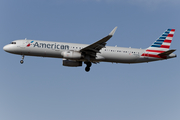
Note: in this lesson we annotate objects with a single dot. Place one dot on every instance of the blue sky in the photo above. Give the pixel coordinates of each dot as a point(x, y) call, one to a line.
point(43, 89)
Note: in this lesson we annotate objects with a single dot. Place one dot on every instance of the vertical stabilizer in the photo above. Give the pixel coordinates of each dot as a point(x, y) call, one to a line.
point(164, 41)
point(161, 45)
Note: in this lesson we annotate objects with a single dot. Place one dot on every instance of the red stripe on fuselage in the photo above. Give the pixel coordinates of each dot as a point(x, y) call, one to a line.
point(157, 51)
point(152, 55)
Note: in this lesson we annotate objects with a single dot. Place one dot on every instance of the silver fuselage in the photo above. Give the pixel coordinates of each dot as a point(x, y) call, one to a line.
point(55, 49)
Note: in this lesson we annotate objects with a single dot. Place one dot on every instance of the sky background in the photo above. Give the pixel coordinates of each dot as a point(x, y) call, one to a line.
point(43, 89)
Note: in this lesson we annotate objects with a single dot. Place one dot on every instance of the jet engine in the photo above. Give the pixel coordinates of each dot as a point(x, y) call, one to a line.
point(71, 54)
point(72, 63)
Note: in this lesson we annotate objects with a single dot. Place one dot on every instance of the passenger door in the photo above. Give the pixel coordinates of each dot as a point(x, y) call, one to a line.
point(23, 44)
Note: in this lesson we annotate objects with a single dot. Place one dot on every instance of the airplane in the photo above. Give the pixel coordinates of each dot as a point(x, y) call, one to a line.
point(74, 55)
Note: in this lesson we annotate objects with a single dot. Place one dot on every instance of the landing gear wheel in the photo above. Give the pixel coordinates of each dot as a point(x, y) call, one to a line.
point(87, 69)
point(88, 65)
point(21, 61)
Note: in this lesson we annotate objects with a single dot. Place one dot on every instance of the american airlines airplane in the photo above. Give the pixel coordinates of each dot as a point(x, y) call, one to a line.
point(75, 54)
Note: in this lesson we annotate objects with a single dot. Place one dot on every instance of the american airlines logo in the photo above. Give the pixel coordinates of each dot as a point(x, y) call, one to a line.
point(30, 44)
point(50, 46)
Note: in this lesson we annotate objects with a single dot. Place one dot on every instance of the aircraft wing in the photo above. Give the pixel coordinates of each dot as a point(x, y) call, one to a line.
point(97, 46)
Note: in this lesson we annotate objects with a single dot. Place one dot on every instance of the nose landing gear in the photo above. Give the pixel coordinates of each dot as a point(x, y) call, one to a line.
point(22, 61)
point(88, 65)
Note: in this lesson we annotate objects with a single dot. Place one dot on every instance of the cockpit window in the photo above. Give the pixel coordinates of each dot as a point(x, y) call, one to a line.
point(13, 42)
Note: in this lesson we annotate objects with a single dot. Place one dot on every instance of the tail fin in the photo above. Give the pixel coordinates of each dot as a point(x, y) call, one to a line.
point(161, 45)
point(163, 42)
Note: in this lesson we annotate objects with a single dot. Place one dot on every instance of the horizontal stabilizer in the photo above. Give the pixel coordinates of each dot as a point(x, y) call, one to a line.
point(166, 53)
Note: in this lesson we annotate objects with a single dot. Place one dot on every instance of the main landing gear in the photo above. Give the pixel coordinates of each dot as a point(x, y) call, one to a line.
point(22, 61)
point(88, 65)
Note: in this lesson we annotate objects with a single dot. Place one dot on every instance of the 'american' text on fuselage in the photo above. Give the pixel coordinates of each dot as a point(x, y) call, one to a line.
point(51, 46)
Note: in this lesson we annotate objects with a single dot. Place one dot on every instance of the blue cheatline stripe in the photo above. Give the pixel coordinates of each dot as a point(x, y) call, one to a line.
point(155, 45)
point(168, 29)
point(158, 43)
point(165, 35)
point(159, 40)
point(162, 37)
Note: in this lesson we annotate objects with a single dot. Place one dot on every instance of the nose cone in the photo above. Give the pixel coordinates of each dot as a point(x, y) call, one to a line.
point(5, 48)
point(8, 48)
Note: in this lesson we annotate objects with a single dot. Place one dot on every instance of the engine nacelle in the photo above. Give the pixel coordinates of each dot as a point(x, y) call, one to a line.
point(71, 63)
point(71, 54)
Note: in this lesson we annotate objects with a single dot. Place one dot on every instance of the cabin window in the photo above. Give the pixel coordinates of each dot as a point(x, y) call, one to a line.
point(125, 51)
point(13, 42)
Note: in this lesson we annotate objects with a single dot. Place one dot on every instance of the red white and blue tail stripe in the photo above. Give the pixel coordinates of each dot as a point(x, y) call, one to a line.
point(161, 45)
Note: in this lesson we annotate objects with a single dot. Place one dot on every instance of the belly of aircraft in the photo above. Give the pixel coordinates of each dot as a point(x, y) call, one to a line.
point(121, 58)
